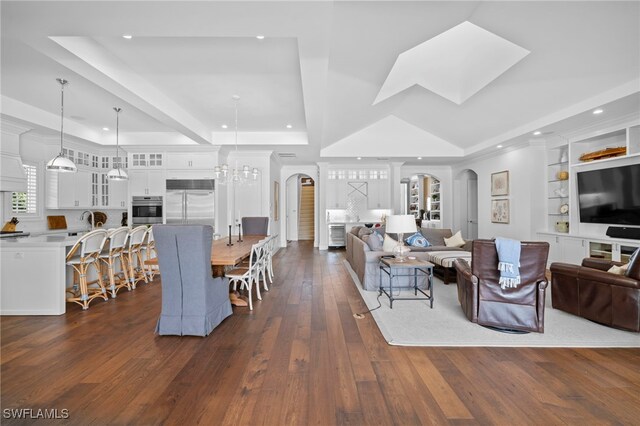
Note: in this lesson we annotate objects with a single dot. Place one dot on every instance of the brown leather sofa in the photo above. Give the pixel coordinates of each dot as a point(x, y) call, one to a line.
point(591, 292)
point(511, 309)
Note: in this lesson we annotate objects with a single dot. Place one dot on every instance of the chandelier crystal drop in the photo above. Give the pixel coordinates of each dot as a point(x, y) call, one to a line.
point(117, 173)
point(223, 174)
point(60, 163)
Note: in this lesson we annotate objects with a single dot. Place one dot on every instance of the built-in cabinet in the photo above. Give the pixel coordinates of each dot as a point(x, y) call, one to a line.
point(69, 190)
point(146, 182)
point(341, 182)
point(147, 159)
point(191, 160)
point(568, 249)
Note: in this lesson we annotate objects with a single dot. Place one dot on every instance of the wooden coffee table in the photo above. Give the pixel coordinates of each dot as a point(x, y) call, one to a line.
point(393, 268)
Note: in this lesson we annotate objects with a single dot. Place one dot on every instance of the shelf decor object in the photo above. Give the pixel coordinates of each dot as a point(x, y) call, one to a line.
point(60, 163)
point(117, 173)
point(604, 153)
point(500, 211)
point(500, 183)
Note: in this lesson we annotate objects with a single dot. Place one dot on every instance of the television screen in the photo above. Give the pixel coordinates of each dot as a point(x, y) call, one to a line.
point(610, 196)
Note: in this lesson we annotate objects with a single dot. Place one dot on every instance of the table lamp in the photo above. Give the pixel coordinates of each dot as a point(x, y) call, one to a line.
point(401, 224)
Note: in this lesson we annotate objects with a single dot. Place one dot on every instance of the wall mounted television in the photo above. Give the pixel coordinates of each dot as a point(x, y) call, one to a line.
point(610, 196)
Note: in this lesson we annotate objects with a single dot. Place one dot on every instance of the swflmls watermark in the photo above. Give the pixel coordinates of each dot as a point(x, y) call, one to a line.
point(35, 413)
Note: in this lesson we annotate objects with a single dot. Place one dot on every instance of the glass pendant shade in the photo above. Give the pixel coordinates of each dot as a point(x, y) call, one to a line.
point(117, 173)
point(59, 163)
point(236, 175)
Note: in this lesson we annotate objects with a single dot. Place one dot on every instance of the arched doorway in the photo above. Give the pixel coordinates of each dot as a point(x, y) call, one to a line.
point(467, 201)
point(300, 208)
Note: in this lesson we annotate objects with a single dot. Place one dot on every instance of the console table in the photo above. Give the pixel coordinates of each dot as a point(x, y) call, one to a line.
point(410, 268)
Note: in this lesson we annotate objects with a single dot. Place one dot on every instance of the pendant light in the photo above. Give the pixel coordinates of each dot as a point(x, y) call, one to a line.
point(237, 176)
point(117, 173)
point(59, 163)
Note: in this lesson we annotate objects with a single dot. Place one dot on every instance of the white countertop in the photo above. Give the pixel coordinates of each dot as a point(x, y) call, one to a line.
point(39, 241)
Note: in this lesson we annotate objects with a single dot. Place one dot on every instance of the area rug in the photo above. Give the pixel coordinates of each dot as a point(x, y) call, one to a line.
point(413, 323)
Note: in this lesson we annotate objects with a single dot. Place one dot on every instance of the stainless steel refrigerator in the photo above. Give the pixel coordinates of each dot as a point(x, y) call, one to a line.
point(190, 201)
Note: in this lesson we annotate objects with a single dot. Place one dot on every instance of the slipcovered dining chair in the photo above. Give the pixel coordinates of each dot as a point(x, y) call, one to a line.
point(193, 302)
point(112, 255)
point(85, 253)
point(255, 225)
point(513, 309)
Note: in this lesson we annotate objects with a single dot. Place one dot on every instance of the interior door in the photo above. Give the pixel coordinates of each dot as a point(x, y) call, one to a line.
point(472, 209)
point(174, 207)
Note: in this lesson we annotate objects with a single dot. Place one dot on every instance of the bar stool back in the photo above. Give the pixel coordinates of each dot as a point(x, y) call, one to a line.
point(133, 253)
point(113, 254)
point(84, 254)
point(149, 252)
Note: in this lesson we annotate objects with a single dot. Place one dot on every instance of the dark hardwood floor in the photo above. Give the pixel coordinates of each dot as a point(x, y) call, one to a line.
point(299, 358)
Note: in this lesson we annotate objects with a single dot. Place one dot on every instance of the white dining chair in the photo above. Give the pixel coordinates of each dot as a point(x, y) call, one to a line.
point(249, 275)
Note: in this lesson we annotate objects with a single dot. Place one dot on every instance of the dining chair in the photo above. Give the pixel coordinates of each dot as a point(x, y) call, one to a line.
point(85, 253)
point(250, 274)
point(255, 225)
point(193, 302)
point(112, 255)
point(269, 256)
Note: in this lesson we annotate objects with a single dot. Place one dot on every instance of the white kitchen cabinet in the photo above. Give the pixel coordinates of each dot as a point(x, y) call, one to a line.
point(69, 190)
point(378, 197)
point(336, 195)
point(118, 196)
point(147, 159)
point(191, 160)
point(146, 182)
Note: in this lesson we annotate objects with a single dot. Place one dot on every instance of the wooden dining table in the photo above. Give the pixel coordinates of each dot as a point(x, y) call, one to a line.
point(223, 255)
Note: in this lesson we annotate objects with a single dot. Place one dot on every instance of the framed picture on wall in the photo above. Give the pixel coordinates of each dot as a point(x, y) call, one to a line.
point(500, 211)
point(500, 183)
point(276, 200)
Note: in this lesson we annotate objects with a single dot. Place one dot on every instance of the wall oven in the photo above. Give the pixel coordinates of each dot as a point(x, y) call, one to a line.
point(146, 210)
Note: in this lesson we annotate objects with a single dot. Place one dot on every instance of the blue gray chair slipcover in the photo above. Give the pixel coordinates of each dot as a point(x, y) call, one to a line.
point(255, 225)
point(193, 302)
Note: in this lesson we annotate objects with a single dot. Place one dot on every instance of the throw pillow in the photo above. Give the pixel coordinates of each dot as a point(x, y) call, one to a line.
point(417, 240)
point(618, 270)
point(374, 241)
point(389, 243)
point(455, 241)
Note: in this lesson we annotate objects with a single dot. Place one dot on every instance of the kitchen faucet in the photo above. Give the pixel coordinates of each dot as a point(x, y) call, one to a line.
point(92, 218)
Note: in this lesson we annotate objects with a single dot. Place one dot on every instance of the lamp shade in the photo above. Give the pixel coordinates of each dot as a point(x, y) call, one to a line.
point(61, 164)
point(117, 174)
point(401, 224)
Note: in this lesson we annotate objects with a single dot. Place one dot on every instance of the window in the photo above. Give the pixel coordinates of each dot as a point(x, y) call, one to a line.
point(26, 202)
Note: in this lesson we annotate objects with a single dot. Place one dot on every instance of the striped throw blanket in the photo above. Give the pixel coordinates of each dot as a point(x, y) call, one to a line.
point(508, 262)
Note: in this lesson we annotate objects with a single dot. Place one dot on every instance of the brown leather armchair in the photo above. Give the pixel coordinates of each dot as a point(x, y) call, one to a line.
point(591, 292)
point(519, 309)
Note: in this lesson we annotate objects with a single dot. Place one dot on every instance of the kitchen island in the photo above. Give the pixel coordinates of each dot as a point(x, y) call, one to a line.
point(33, 274)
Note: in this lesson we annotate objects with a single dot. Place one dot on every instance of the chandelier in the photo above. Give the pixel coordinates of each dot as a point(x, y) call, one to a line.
point(117, 173)
point(60, 163)
point(247, 174)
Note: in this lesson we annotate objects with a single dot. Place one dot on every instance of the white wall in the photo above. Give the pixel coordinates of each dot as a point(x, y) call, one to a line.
point(527, 180)
point(292, 204)
point(276, 226)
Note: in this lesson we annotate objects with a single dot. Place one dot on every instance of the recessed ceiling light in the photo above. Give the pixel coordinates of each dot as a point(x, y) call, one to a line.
point(105, 129)
point(419, 158)
point(499, 146)
point(289, 126)
point(127, 36)
point(359, 158)
point(260, 37)
point(598, 111)
point(224, 126)
point(537, 132)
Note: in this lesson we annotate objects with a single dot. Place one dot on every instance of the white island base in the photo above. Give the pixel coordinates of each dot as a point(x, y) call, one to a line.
point(33, 275)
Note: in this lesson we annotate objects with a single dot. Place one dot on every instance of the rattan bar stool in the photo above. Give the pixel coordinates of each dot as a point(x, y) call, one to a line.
point(149, 252)
point(83, 254)
point(132, 254)
point(113, 255)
